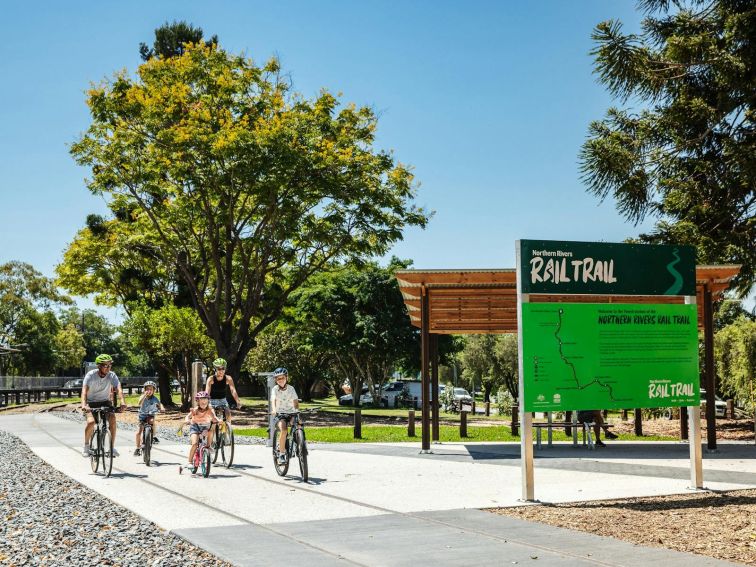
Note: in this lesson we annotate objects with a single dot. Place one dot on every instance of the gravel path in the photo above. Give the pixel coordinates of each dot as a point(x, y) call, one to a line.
point(47, 518)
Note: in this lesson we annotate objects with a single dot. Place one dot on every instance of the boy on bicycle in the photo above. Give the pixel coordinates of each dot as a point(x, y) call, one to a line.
point(200, 418)
point(283, 403)
point(149, 404)
point(96, 392)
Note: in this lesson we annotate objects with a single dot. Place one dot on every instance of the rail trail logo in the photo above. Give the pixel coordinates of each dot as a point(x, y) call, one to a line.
point(541, 397)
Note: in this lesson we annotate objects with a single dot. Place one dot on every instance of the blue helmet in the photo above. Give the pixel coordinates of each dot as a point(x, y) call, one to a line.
point(280, 372)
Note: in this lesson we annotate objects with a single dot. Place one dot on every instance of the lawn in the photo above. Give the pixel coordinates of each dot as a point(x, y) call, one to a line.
point(395, 434)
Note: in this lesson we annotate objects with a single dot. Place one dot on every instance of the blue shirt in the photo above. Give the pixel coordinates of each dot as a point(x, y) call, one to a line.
point(149, 406)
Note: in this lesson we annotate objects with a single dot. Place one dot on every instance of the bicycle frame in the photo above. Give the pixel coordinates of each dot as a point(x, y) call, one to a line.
point(99, 454)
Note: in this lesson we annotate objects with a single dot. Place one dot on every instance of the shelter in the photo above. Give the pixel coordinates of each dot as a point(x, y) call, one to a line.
point(485, 301)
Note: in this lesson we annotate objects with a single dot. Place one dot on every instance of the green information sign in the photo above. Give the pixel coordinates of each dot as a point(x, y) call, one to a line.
point(609, 356)
point(552, 266)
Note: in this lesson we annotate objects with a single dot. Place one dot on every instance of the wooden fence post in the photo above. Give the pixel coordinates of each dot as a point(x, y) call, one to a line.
point(514, 426)
point(358, 423)
point(411, 424)
point(638, 422)
point(488, 409)
point(463, 424)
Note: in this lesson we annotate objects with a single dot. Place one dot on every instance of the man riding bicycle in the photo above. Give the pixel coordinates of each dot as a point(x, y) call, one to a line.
point(97, 392)
point(217, 387)
point(283, 403)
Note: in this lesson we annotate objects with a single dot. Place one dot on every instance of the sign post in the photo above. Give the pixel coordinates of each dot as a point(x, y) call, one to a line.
point(583, 353)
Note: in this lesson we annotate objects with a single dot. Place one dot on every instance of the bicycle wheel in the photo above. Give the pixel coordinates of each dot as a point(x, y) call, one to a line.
point(94, 450)
point(227, 450)
point(107, 452)
point(299, 439)
point(205, 462)
point(217, 443)
point(146, 444)
point(281, 468)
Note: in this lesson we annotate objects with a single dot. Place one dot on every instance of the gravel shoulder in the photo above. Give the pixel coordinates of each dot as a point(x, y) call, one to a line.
point(50, 519)
point(720, 525)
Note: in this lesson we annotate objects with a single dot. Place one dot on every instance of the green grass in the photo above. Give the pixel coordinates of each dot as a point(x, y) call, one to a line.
point(448, 433)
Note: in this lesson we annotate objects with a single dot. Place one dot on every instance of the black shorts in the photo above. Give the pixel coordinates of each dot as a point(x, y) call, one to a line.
point(587, 416)
point(97, 405)
point(288, 419)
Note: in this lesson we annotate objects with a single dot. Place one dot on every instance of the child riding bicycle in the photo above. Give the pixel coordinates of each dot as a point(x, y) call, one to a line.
point(149, 404)
point(283, 402)
point(200, 418)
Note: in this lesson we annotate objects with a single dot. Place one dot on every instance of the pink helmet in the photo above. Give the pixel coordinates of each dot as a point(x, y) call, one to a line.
point(201, 394)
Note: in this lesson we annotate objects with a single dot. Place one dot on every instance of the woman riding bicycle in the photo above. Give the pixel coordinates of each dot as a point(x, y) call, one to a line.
point(283, 402)
point(200, 418)
point(217, 387)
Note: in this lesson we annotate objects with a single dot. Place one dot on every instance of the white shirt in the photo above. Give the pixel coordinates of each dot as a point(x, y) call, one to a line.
point(283, 400)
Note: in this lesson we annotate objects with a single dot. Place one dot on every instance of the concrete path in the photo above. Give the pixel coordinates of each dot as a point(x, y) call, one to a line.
point(385, 504)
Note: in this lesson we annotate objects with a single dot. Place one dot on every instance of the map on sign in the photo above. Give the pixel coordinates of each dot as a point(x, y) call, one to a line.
point(609, 356)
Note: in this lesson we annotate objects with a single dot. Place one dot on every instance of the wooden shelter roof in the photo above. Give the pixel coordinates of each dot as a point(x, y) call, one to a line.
point(485, 301)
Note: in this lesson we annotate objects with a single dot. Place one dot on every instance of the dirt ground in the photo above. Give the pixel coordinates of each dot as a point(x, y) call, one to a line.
point(720, 525)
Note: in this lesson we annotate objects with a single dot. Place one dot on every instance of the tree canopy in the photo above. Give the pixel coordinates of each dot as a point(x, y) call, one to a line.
point(686, 153)
point(237, 185)
point(171, 39)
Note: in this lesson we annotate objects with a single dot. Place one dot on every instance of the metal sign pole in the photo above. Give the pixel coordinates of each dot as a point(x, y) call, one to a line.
point(694, 436)
point(269, 383)
point(526, 419)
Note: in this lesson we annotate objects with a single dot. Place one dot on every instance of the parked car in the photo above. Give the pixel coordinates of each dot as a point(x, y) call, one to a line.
point(409, 390)
point(720, 406)
point(462, 396)
point(366, 399)
point(74, 383)
point(175, 386)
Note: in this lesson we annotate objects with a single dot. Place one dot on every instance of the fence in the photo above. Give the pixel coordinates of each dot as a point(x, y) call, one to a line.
point(27, 382)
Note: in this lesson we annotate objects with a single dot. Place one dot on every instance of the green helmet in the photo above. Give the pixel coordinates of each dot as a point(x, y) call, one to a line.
point(219, 363)
point(103, 358)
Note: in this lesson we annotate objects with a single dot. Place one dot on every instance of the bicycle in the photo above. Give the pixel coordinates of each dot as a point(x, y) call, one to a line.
point(223, 441)
point(296, 445)
point(101, 442)
point(147, 440)
point(201, 458)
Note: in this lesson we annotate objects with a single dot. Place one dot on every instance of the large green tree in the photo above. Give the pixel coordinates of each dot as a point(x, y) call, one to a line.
point(171, 39)
point(685, 152)
point(735, 353)
point(242, 187)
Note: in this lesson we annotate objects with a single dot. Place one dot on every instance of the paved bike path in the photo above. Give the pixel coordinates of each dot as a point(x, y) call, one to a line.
point(361, 508)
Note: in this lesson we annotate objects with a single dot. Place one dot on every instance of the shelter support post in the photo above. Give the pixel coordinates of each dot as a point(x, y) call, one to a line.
point(424, 363)
point(197, 368)
point(708, 324)
point(434, 386)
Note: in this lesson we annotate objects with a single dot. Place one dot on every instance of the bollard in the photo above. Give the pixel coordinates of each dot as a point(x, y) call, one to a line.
point(488, 409)
point(624, 415)
point(514, 426)
point(196, 382)
point(472, 409)
point(358, 423)
point(638, 423)
point(463, 424)
point(683, 424)
point(730, 409)
point(411, 424)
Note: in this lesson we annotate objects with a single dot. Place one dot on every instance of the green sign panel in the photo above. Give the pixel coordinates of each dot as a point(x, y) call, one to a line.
point(609, 356)
point(551, 266)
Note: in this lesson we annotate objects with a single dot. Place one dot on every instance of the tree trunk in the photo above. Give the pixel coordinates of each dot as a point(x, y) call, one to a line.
point(164, 386)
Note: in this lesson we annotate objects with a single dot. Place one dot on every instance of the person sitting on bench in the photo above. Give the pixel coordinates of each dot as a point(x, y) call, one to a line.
point(595, 417)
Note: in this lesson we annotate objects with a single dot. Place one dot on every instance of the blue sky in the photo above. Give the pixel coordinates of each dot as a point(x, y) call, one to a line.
point(489, 101)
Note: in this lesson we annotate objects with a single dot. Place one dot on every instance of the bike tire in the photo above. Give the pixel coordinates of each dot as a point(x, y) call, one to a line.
point(281, 468)
point(206, 463)
point(227, 451)
point(94, 450)
point(299, 439)
point(146, 444)
point(107, 453)
point(217, 443)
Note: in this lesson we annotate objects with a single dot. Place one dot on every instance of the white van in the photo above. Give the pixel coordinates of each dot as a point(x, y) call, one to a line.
point(393, 390)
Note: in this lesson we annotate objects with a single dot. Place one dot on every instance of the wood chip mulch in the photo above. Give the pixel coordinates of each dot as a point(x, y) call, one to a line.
point(720, 525)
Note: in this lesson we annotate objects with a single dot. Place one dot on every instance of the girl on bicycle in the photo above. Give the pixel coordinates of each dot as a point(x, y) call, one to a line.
point(200, 418)
point(149, 404)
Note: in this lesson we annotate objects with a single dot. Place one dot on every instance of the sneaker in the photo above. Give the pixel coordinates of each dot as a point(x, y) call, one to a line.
point(116, 453)
point(85, 452)
point(155, 440)
point(610, 435)
point(600, 443)
point(137, 452)
point(281, 458)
